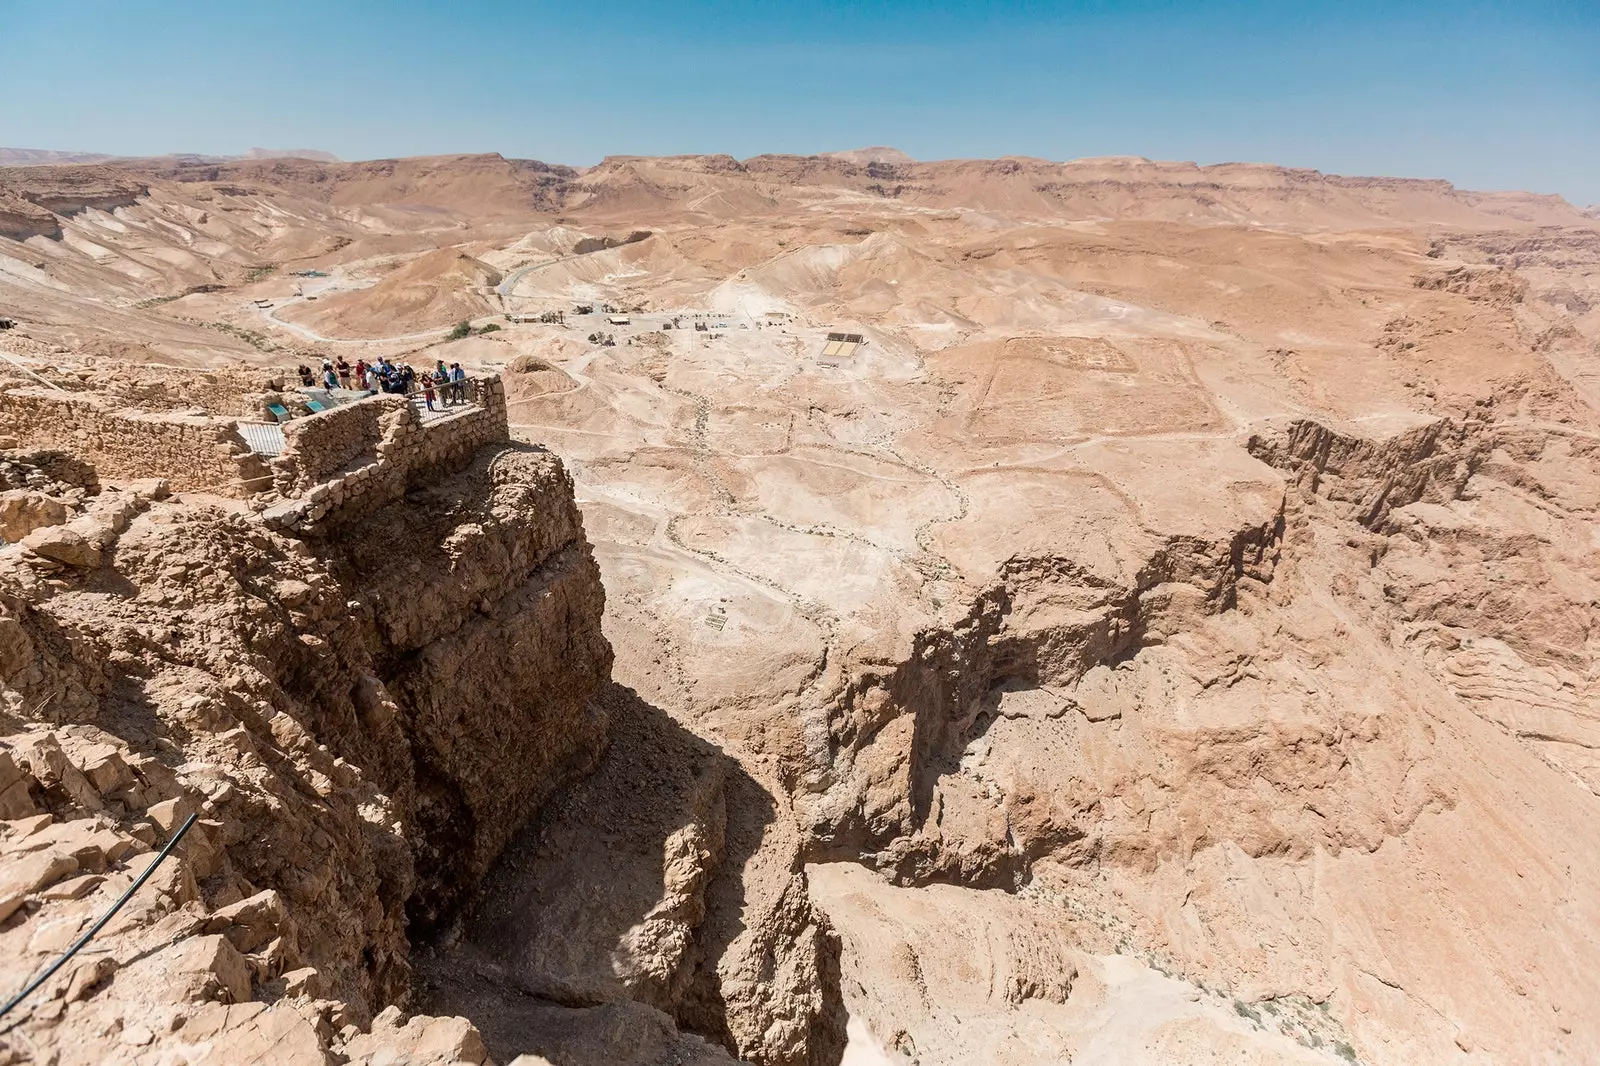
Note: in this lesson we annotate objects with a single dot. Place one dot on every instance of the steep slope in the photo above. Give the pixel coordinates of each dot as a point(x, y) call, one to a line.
point(435, 289)
point(340, 715)
point(1166, 636)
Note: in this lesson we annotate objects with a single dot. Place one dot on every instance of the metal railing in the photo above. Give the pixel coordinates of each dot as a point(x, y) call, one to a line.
point(426, 396)
point(442, 396)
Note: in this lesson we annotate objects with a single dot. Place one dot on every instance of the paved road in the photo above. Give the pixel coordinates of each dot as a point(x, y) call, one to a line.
point(509, 282)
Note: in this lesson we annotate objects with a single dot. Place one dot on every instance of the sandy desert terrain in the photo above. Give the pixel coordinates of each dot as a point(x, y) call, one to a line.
point(1170, 633)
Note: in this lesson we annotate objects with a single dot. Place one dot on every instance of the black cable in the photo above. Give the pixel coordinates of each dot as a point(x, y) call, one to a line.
point(104, 918)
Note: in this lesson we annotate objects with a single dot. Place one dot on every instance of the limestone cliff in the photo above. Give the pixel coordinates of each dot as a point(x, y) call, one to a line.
point(361, 723)
point(1212, 760)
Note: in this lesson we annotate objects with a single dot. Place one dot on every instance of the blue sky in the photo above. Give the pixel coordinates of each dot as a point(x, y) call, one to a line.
point(1488, 95)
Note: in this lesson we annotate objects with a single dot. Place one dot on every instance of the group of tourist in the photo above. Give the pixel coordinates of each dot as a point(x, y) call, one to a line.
point(383, 376)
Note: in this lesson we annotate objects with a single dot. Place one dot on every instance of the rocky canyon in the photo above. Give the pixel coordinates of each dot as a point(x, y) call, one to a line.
point(854, 610)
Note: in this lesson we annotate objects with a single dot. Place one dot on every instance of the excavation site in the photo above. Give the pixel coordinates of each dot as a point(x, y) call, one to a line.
point(796, 610)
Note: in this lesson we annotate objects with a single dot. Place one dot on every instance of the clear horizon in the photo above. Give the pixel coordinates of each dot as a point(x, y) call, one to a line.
point(1487, 96)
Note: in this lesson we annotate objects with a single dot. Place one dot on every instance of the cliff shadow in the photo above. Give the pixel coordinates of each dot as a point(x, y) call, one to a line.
point(627, 890)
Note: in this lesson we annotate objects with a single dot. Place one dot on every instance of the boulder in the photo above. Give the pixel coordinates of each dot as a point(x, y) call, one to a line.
point(30, 873)
point(63, 545)
point(216, 965)
point(105, 769)
point(170, 814)
point(16, 648)
point(16, 792)
point(89, 975)
point(99, 529)
point(74, 888)
point(418, 1041)
point(92, 844)
point(250, 922)
point(254, 1032)
point(174, 879)
point(305, 981)
point(16, 801)
point(151, 488)
point(43, 756)
point(22, 512)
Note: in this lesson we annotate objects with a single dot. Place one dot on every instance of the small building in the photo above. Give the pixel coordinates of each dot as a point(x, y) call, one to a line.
point(618, 320)
point(842, 345)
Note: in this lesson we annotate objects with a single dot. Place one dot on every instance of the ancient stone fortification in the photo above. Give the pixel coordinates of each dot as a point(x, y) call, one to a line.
point(316, 447)
point(218, 391)
point(344, 463)
point(335, 466)
point(222, 391)
point(193, 452)
point(343, 715)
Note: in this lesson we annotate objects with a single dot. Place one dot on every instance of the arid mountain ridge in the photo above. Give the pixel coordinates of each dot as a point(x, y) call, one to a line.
point(1119, 187)
point(32, 157)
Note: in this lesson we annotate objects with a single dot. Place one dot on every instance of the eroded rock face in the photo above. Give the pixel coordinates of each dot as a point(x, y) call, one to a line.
point(1015, 983)
point(1168, 636)
point(1217, 765)
point(360, 728)
point(667, 878)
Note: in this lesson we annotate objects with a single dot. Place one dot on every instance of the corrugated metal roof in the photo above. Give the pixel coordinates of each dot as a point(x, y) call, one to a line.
point(264, 438)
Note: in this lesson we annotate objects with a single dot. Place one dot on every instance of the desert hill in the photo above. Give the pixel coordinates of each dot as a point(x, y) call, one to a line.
point(190, 225)
point(28, 157)
point(876, 154)
point(436, 289)
point(477, 185)
point(32, 157)
point(1107, 611)
point(1231, 193)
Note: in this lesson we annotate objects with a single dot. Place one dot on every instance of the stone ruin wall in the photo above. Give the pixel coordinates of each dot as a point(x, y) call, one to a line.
point(53, 464)
point(192, 452)
point(322, 444)
point(336, 465)
point(403, 451)
point(220, 392)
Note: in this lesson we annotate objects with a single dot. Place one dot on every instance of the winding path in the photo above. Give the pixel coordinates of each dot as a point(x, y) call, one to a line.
point(509, 282)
